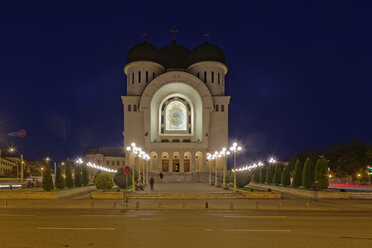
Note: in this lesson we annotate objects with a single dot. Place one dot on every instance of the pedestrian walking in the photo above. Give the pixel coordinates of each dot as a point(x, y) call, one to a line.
point(152, 182)
point(161, 175)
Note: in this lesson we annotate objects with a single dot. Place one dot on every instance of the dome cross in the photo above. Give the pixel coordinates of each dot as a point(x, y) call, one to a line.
point(174, 30)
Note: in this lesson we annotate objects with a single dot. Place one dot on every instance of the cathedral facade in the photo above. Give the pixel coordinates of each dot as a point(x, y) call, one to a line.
point(175, 108)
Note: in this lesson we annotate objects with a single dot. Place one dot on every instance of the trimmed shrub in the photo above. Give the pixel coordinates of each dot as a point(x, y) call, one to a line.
point(60, 181)
point(103, 181)
point(297, 179)
point(47, 183)
point(85, 175)
point(229, 177)
point(68, 174)
point(242, 179)
point(285, 178)
point(277, 174)
point(263, 172)
point(308, 174)
point(256, 175)
point(78, 177)
point(120, 178)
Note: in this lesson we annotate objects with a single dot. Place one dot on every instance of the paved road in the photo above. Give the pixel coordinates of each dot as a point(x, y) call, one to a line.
point(183, 228)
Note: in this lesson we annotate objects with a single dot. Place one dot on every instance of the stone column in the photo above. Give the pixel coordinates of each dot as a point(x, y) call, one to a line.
point(170, 163)
point(182, 168)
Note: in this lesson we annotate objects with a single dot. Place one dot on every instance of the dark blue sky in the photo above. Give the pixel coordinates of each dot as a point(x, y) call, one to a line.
point(299, 71)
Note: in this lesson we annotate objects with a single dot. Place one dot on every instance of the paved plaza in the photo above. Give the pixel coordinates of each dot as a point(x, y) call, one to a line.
point(184, 188)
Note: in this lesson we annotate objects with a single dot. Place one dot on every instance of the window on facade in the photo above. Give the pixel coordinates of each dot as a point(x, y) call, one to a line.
point(222, 108)
point(198, 75)
point(135, 108)
point(139, 77)
point(147, 76)
point(153, 75)
point(212, 76)
point(117, 162)
point(132, 77)
point(112, 162)
point(218, 78)
point(175, 116)
point(205, 77)
point(216, 108)
point(108, 162)
point(129, 108)
point(122, 162)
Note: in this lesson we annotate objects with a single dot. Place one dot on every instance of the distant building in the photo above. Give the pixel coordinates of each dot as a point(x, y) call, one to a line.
point(109, 157)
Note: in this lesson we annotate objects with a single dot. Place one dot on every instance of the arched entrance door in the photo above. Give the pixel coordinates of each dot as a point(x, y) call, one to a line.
point(176, 162)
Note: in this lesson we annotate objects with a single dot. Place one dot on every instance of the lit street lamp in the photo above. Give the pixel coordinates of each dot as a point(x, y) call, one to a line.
point(13, 150)
point(209, 158)
point(224, 154)
point(138, 153)
point(235, 148)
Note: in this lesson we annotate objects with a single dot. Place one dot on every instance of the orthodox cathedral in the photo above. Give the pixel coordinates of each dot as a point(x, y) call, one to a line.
point(175, 107)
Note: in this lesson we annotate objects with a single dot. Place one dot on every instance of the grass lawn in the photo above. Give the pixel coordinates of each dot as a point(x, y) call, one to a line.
point(57, 190)
point(116, 189)
point(246, 188)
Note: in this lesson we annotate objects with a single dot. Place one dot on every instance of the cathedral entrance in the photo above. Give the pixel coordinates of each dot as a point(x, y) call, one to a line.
point(176, 165)
point(165, 165)
point(186, 165)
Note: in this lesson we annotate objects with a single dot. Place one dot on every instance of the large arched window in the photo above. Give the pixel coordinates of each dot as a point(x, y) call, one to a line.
point(175, 116)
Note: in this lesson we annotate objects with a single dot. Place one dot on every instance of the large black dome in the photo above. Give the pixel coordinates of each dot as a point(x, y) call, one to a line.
point(207, 52)
point(175, 56)
point(144, 52)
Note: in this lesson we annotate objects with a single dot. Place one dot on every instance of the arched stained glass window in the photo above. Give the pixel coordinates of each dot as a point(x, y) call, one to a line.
point(175, 116)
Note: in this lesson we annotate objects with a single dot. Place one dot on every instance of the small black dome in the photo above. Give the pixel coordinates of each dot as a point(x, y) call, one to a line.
point(175, 56)
point(144, 52)
point(207, 52)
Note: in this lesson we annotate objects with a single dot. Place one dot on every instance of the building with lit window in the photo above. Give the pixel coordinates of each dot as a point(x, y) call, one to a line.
point(175, 107)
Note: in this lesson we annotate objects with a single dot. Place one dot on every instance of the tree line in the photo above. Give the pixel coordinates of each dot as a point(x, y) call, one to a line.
point(80, 178)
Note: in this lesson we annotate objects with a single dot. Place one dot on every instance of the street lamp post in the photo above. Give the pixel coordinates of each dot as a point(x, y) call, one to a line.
point(133, 149)
point(147, 168)
point(138, 153)
point(235, 148)
point(13, 150)
point(216, 156)
point(209, 158)
point(224, 154)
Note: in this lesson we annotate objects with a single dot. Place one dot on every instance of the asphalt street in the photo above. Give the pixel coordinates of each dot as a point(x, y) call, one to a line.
point(183, 228)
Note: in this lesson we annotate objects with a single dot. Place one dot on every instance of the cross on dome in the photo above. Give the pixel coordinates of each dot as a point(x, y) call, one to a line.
point(174, 30)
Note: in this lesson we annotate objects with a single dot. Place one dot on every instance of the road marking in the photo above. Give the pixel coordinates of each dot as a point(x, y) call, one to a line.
point(17, 215)
point(252, 230)
point(106, 215)
point(77, 228)
point(254, 216)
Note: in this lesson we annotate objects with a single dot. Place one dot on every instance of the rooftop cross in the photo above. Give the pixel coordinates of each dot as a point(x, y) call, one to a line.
point(145, 35)
point(206, 36)
point(174, 31)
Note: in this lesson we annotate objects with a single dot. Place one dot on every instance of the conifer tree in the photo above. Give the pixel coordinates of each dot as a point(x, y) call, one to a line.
point(285, 178)
point(308, 174)
point(68, 174)
point(323, 174)
point(60, 181)
point(263, 172)
point(317, 170)
point(270, 174)
point(85, 174)
point(297, 179)
point(78, 177)
point(47, 178)
point(256, 175)
point(277, 174)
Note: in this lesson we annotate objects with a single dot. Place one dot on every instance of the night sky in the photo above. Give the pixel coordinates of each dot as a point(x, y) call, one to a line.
point(299, 72)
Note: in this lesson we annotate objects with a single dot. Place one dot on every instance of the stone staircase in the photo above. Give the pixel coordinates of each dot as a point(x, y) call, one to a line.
point(181, 195)
point(180, 177)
